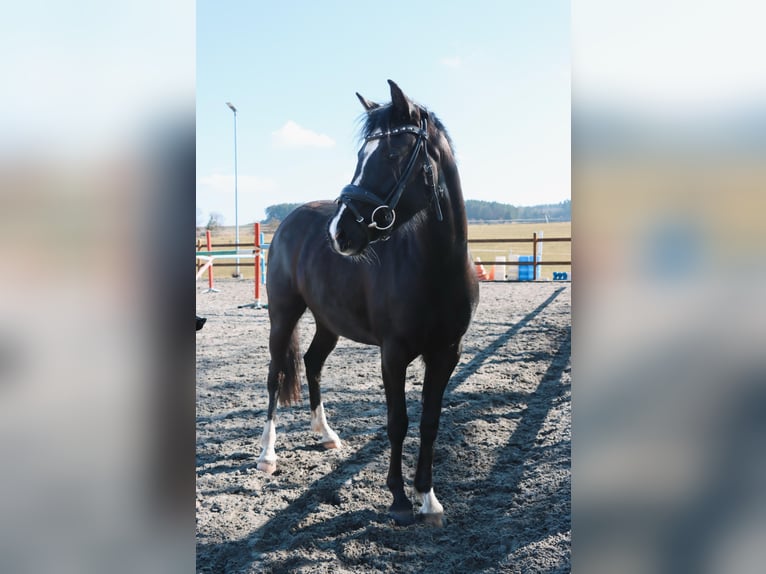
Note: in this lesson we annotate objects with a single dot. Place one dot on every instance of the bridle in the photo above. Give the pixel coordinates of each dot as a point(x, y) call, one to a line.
point(383, 216)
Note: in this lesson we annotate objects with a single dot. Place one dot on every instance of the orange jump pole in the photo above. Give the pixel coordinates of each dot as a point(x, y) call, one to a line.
point(256, 270)
point(210, 288)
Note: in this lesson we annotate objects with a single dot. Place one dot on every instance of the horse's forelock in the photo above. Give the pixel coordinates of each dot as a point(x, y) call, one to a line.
point(379, 119)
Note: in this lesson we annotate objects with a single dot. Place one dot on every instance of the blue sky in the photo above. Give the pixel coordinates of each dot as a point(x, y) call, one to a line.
point(496, 72)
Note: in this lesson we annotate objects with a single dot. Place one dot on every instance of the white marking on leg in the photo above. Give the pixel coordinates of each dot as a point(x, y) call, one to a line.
point(319, 424)
point(268, 441)
point(430, 504)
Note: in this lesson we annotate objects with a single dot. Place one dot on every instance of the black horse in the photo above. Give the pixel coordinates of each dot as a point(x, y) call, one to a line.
point(386, 264)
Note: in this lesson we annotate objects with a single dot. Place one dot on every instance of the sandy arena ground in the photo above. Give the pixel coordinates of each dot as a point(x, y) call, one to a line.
point(502, 462)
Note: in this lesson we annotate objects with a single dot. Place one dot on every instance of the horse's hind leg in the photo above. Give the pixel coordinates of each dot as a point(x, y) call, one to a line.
point(283, 372)
point(439, 367)
point(322, 344)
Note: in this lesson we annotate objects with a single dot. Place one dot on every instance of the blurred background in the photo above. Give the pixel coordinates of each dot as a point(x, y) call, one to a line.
point(96, 346)
point(669, 182)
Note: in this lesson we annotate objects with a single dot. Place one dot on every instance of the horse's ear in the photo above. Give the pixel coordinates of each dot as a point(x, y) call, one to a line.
point(402, 103)
point(368, 105)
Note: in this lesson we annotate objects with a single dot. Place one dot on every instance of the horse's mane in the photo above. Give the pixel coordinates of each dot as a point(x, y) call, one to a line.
point(380, 119)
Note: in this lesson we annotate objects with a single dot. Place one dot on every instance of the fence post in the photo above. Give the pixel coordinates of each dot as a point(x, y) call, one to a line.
point(534, 255)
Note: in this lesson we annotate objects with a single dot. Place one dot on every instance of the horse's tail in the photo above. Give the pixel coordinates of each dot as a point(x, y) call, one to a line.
point(290, 377)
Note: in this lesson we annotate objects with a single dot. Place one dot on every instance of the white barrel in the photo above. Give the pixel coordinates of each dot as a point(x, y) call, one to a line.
point(512, 271)
point(500, 269)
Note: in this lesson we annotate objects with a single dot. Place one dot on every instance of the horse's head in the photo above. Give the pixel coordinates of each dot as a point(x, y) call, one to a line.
point(397, 174)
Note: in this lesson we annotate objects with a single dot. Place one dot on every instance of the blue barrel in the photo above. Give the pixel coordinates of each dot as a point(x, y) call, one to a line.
point(527, 272)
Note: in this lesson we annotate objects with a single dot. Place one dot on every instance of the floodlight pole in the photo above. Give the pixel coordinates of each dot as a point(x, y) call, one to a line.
point(236, 196)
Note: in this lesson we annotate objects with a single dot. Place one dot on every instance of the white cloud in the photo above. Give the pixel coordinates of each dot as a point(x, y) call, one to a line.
point(291, 135)
point(220, 183)
point(453, 62)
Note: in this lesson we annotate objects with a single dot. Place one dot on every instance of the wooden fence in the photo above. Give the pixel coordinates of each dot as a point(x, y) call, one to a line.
point(534, 240)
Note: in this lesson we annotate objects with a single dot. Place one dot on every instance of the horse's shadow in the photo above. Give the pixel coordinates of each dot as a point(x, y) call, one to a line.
point(471, 515)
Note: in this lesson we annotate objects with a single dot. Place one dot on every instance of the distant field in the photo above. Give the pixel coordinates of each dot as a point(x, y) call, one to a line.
point(556, 251)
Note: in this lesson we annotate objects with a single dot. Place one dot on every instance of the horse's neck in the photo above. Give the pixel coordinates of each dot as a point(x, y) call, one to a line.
point(454, 225)
point(448, 237)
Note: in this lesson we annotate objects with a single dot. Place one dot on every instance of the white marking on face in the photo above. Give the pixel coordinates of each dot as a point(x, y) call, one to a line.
point(334, 226)
point(369, 148)
point(430, 504)
point(319, 424)
point(268, 440)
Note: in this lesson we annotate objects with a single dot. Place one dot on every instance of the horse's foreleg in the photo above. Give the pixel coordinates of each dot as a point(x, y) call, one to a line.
point(439, 367)
point(322, 344)
point(394, 363)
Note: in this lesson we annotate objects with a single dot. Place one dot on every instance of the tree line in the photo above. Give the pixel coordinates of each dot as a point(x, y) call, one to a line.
point(476, 210)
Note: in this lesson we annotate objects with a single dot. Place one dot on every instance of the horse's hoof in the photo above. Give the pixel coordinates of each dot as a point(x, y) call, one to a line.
point(331, 444)
point(267, 467)
point(402, 517)
point(432, 519)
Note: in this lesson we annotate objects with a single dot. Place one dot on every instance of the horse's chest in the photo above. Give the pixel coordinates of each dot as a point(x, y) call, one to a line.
point(437, 317)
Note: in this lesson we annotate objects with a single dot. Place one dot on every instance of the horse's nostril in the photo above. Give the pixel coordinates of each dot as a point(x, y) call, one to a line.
point(340, 239)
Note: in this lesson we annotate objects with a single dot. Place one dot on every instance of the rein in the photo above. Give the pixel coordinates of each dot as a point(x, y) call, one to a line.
point(383, 216)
